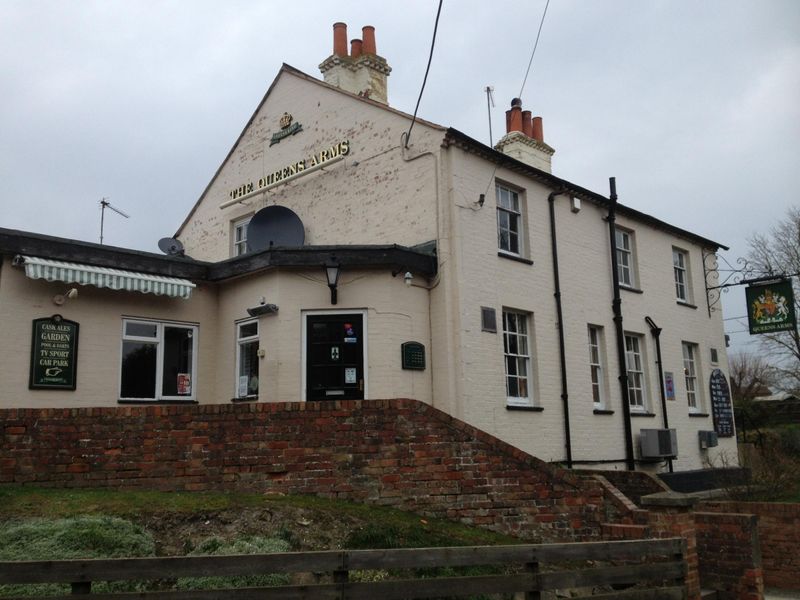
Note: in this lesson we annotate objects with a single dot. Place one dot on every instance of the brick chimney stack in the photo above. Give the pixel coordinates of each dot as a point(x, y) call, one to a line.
point(362, 71)
point(524, 139)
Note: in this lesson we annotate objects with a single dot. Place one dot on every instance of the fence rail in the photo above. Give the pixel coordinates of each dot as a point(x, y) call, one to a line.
point(660, 562)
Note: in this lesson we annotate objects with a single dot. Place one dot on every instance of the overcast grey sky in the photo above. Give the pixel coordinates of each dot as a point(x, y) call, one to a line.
point(693, 106)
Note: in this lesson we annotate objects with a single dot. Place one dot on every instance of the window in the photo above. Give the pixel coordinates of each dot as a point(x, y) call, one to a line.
point(517, 357)
point(625, 266)
point(158, 360)
point(247, 359)
point(240, 236)
point(680, 266)
point(690, 376)
point(596, 365)
point(509, 221)
point(635, 367)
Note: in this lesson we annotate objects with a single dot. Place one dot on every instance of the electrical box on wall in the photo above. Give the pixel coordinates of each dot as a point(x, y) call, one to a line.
point(658, 443)
point(708, 439)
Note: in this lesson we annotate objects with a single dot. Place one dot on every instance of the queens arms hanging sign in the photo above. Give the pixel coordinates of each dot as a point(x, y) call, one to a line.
point(770, 307)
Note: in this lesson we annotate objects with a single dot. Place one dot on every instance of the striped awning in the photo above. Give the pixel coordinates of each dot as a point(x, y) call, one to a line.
point(103, 277)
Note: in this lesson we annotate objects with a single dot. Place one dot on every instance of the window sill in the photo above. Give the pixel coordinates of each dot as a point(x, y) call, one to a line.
point(629, 288)
point(245, 399)
point(525, 408)
point(514, 257)
point(686, 304)
point(698, 414)
point(603, 411)
point(636, 413)
point(146, 401)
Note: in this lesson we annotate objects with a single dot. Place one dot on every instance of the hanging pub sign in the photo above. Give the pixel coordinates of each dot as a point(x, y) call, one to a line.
point(770, 307)
point(54, 354)
point(721, 409)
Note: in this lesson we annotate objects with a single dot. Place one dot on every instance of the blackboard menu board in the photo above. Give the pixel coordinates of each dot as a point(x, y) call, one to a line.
point(54, 354)
point(721, 408)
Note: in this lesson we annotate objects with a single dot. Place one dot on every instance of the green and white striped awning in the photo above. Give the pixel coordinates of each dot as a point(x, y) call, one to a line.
point(103, 277)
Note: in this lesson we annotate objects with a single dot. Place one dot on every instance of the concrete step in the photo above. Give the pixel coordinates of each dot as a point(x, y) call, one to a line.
point(708, 595)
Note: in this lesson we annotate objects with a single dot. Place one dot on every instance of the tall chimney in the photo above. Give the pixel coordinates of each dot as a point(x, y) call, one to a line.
point(537, 130)
point(524, 139)
point(526, 123)
point(361, 72)
point(340, 39)
point(368, 35)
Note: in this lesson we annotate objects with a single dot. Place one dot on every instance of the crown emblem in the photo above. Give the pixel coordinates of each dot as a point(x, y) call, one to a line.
point(286, 120)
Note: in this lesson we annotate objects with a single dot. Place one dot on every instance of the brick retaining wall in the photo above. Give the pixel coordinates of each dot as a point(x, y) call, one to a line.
point(392, 452)
point(729, 552)
point(779, 533)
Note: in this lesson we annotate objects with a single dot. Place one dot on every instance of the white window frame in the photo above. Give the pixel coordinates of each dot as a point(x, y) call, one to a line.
point(597, 369)
point(158, 340)
point(241, 341)
point(680, 269)
point(626, 258)
point(239, 236)
point(691, 376)
point(520, 358)
point(635, 368)
point(513, 207)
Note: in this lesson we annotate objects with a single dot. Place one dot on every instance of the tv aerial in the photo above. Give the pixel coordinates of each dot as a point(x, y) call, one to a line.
point(104, 204)
point(171, 246)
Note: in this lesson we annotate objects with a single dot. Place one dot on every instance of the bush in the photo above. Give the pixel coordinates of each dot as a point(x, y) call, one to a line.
point(252, 545)
point(74, 537)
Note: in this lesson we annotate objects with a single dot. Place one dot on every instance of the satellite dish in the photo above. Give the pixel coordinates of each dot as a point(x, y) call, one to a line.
point(274, 226)
point(170, 246)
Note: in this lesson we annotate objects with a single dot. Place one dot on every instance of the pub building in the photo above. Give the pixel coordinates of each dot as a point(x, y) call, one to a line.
point(332, 256)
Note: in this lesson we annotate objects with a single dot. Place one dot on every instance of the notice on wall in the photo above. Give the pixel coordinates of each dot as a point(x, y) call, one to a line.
point(721, 408)
point(669, 385)
point(54, 354)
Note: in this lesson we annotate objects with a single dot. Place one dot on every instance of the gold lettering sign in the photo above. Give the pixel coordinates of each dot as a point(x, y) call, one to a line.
point(336, 151)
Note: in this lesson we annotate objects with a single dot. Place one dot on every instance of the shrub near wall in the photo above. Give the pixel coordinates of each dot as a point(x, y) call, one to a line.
point(779, 533)
point(393, 452)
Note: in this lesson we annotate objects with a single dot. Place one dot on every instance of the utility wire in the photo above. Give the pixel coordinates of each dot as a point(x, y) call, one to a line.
point(530, 62)
point(428, 68)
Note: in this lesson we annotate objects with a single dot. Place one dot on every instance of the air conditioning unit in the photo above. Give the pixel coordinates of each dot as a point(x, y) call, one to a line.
point(659, 443)
point(708, 439)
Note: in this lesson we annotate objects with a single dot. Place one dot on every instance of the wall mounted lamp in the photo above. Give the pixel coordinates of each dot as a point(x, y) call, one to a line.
point(332, 268)
point(70, 294)
point(407, 278)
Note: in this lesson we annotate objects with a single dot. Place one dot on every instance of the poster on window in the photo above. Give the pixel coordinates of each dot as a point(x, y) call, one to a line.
point(770, 307)
point(184, 384)
point(54, 354)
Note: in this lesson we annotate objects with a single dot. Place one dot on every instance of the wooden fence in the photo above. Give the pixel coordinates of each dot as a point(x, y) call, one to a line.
point(625, 563)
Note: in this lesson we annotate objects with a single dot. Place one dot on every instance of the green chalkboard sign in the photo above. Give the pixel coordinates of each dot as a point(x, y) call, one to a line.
point(413, 356)
point(54, 354)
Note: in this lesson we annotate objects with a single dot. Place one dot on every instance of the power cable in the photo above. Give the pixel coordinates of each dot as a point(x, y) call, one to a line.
point(428, 68)
point(530, 62)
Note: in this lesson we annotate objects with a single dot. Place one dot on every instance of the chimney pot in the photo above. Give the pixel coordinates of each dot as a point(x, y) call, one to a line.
point(340, 39)
point(515, 122)
point(355, 48)
point(516, 102)
point(368, 35)
point(508, 120)
point(526, 123)
point(538, 131)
